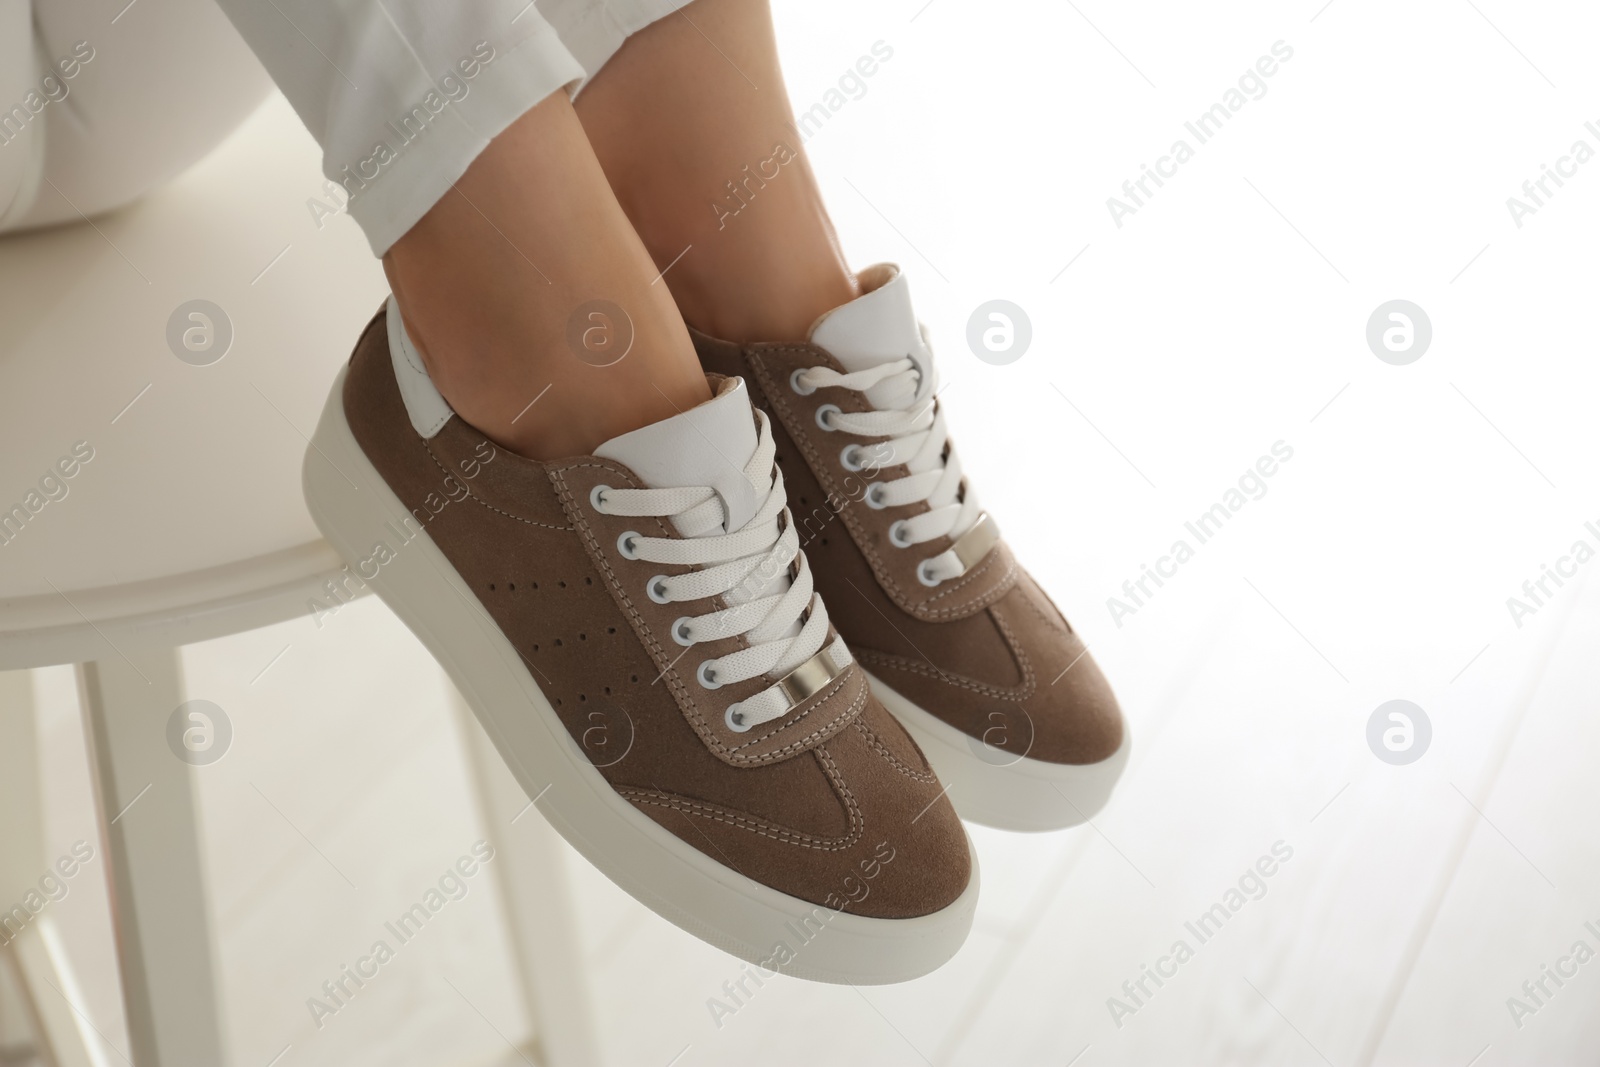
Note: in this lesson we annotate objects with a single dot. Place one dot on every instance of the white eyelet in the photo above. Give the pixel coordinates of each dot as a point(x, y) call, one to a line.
point(656, 593)
point(625, 544)
point(735, 720)
point(924, 577)
point(678, 628)
point(845, 458)
point(822, 415)
point(594, 497)
point(897, 534)
point(794, 383)
point(706, 677)
point(874, 497)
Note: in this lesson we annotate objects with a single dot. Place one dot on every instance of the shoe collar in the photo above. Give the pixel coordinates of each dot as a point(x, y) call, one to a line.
point(878, 326)
point(707, 445)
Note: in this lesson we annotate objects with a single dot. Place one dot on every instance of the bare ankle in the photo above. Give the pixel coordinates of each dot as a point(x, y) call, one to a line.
point(739, 202)
point(751, 306)
point(498, 291)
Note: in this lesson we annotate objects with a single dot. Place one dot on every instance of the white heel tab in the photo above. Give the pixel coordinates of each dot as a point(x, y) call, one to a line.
point(427, 409)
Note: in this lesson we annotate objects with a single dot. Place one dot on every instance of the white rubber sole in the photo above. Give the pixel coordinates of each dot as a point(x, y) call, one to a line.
point(357, 511)
point(988, 786)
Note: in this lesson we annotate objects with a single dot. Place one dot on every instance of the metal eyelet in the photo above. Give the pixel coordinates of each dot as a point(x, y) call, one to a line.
point(924, 577)
point(594, 497)
point(897, 534)
point(707, 676)
point(874, 497)
point(848, 460)
point(626, 546)
point(678, 631)
point(794, 383)
point(735, 720)
point(656, 589)
point(824, 413)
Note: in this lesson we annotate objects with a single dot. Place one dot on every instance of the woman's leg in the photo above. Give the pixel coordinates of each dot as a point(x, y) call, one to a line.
point(490, 279)
point(697, 139)
point(449, 127)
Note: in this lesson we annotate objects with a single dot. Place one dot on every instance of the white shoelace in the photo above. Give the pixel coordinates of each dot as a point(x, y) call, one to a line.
point(749, 568)
point(917, 438)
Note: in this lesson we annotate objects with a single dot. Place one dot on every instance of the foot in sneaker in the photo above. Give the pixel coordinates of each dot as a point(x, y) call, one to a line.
point(638, 632)
point(961, 644)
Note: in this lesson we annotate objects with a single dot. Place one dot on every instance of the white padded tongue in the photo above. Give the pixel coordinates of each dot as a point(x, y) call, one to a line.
point(707, 445)
point(876, 327)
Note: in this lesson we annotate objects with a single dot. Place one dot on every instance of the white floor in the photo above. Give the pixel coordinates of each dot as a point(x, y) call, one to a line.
point(1226, 315)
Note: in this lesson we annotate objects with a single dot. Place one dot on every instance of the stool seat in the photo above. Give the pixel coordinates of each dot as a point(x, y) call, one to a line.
point(182, 518)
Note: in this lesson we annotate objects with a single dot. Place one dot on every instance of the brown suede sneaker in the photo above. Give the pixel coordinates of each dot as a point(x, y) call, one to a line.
point(638, 633)
point(961, 644)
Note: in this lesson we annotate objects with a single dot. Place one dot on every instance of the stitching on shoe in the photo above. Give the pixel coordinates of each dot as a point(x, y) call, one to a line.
point(880, 659)
point(641, 627)
point(1028, 681)
point(814, 459)
point(407, 351)
point(1000, 586)
point(877, 745)
point(1054, 624)
point(858, 821)
point(426, 447)
point(1017, 695)
point(804, 742)
point(706, 731)
point(718, 813)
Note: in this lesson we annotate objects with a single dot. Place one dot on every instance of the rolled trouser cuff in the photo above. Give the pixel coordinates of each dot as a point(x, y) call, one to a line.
point(593, 30)
point(402, 95)
point(416, 156)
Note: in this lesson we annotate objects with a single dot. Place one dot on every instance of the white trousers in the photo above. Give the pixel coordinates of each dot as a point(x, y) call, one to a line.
point(101, 101)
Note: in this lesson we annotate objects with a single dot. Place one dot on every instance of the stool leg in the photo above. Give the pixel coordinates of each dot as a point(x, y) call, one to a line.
point(68, 1037)
point(530, 869)
point(19, 1042)
point(43, 971)
point(152, 850)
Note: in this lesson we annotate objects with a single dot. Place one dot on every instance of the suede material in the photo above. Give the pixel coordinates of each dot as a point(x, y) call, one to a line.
point(988, 653)
point(817, 719)
point(895, 569)
point(887, 804)
point(805, 804)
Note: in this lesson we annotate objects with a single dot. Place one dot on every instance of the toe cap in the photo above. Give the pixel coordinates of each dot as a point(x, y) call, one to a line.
point(860, 823)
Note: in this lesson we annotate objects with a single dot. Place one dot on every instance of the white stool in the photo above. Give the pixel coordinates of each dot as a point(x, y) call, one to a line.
point(181, 521)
